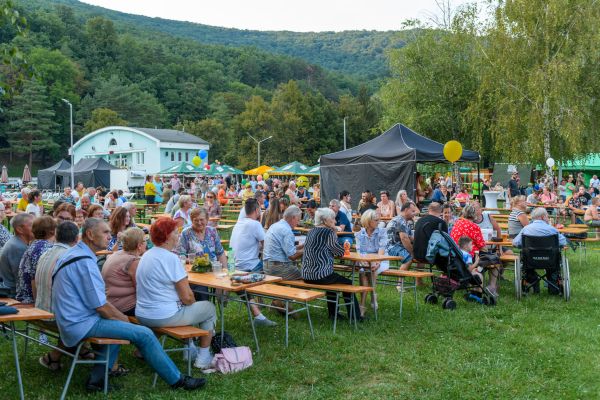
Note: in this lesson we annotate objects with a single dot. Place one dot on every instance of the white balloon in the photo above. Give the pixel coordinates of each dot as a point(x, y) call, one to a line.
point(550, 162)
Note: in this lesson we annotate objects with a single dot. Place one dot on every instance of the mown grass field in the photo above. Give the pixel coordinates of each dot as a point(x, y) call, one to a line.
point(540, 348)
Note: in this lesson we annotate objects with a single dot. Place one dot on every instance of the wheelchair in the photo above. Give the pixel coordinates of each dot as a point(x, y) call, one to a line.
point(542, 253)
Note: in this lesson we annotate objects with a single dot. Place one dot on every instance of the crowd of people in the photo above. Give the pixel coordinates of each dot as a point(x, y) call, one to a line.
point(50, 258)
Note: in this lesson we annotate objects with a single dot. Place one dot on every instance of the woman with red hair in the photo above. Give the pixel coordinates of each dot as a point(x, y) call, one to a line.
point(164, 296)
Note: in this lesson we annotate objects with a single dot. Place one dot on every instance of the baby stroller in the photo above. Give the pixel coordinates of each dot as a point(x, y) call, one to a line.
point(445, 254)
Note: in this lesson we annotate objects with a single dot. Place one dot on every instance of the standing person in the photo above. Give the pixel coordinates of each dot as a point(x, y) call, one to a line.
point(569, 187)
point(167, 193)
point(24, 200)
point(595, 182)
point(12, 252)
point(149, 190)
point(43, 229)
point(82, 311)
point(317, 263)
point(35, 206)
point(175, 183)
point(513, 186)
point(386, 208)
point(158, 186)
point(476, 189)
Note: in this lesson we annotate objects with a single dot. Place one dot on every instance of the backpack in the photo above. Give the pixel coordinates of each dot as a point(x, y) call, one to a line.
point(437, 246)
point(233, 359)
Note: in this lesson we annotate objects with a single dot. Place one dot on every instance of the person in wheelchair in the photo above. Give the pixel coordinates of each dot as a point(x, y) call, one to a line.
point(540, 227)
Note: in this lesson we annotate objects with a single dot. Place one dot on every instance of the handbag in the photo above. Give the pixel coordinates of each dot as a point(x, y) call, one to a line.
point(233, 359)
point(487, 259)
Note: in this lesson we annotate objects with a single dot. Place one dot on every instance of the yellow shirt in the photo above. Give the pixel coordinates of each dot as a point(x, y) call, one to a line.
point(149, 189)
point(247, 194)
point(22, 204)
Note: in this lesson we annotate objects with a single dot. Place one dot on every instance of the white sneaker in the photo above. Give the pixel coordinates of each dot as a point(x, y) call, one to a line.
point(264, 322)
point(203, 362)
point(193, 352)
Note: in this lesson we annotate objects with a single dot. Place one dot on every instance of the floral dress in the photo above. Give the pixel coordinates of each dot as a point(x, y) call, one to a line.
point(28, 267)
point(190, 243)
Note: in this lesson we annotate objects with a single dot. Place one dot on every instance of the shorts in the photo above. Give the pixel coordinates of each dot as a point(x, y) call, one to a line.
point(398, 250)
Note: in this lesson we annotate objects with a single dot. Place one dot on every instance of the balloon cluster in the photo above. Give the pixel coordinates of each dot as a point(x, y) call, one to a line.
point(197, 160)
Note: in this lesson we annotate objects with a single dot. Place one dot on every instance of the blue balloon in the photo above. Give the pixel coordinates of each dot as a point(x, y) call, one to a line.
point(202, 154)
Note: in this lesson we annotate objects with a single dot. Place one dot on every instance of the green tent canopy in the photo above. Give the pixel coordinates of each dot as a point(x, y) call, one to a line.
point(314, 170)
point(223, 169)
point(589, 163)
point(233, 170)
point(293, 168)
point(181, 168)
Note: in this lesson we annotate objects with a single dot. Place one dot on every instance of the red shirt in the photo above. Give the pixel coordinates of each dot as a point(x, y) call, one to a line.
point(464, 227)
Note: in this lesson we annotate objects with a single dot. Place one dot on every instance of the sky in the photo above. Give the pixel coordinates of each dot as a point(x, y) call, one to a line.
point(298, 16)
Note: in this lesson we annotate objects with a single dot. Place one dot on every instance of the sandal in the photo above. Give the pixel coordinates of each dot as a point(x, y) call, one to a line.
point(119, 371)
point(47, 362)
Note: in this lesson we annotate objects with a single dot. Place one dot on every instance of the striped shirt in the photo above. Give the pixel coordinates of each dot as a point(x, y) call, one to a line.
point(320, 248)
point(514, 225)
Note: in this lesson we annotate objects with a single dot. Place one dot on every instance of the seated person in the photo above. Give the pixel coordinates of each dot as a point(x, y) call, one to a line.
point(539, 226)
point(386, 208)
point(119, 221)
point(302, 194)
point(280, 251)
point(425, 226)
point(317, 263)
point(441, 194)
point(371, 239)
point(400, 234)
point(309, 213)
point(591, 216)
point(342, 224)
point(82, 311)
point(164, 296)
point(518, 216)
point(575, 206)
point(120, 268)
point(367, 202)
point(462, 197)
point(466, 247)
point(12, 252)
point(67, 234)
point(534, 198)
point(44, 229)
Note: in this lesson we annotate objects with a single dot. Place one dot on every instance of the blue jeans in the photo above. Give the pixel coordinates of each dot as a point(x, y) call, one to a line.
point(143, 338)
point(399, 251)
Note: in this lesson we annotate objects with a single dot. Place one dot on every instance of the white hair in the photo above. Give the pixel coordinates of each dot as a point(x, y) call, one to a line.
point(539, 213)
point(323, 214)
point(400, 193)
point(291, 212)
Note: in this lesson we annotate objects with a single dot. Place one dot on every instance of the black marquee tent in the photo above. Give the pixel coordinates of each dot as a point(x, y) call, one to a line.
point(91, 171)
point(388, 162)
point(47, 178)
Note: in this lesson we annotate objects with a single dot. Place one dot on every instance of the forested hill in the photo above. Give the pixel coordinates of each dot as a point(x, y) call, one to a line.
point(359, 53)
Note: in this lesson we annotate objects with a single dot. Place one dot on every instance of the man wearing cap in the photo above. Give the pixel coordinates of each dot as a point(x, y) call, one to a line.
point(513, 185)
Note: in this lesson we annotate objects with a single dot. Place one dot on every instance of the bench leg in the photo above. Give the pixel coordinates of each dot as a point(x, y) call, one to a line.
point(245, 295)
point(416, 300)
point(222, 309)
point(373, 284)
point(189, 359)
point(337, 301)
point(26, 340)
point(401, 295)
point(106, 368)
point(312, 332)
point(16, 355)
point(287, 323)
point(75, 358)
point(162, 344)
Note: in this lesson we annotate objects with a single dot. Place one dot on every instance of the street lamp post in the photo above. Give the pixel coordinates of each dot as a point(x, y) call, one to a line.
point(258, 142)
point(71, 126)
point(345, 133)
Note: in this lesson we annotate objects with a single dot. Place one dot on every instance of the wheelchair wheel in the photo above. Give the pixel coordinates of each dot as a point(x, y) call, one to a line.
point(431, 299)
point(449, 304)
point(566, 279)
point(518, 281)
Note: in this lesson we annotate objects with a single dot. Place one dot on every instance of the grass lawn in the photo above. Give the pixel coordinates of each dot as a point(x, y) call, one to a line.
point(539, 348)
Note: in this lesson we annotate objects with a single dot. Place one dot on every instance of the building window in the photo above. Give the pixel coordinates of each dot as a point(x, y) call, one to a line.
point(187, 156)
point(113, 142)
point(179, 156)
point(172, 156)
point(166, 154)
point(143, 162)
point(137, 157)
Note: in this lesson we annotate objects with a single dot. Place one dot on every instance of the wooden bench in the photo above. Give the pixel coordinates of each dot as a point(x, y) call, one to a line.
point(287, 295)
point(337, 288)
point(184, 334)
point(401, 274)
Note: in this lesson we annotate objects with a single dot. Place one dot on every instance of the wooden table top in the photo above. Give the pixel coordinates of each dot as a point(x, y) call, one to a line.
point(27, 314)
point(225, 226)
point(212, 281)
point(354, 256)
point(574, 231)
point(286, 292)
point(502, 243)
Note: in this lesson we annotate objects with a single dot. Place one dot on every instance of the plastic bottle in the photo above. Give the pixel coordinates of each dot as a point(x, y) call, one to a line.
point(230, 262)
point(346, 247)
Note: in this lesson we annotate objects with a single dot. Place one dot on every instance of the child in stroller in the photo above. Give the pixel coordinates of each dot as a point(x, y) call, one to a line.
point(459, 272)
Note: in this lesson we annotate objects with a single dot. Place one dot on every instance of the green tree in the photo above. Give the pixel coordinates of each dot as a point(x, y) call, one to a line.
point(30, 121)
point(12, 24)
point(102, 117)
point(213, 131)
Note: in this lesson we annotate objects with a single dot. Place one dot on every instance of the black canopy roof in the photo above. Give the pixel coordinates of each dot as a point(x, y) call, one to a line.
point(90, 171)
point(387, 162)
point(47, 177)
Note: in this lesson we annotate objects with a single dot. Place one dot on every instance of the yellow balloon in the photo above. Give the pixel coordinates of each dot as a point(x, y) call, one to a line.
point(196, 161)
point(453, 151)
point(266, 175)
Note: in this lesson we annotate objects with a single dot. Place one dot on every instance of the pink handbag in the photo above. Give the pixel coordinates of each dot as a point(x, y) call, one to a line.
point(233, 359)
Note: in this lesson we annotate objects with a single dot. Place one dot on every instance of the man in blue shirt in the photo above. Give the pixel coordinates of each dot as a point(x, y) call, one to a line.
point(440, 194)
point(280, 250)
point(341, 222)
point(81, 310)
point(539, 226)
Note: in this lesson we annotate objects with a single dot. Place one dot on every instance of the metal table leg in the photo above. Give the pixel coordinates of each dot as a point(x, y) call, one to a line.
point(16, 354)
point(373, 284)
point(247, 301)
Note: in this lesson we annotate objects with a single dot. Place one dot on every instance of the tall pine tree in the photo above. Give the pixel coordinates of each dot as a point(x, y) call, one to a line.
point(30, 121)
